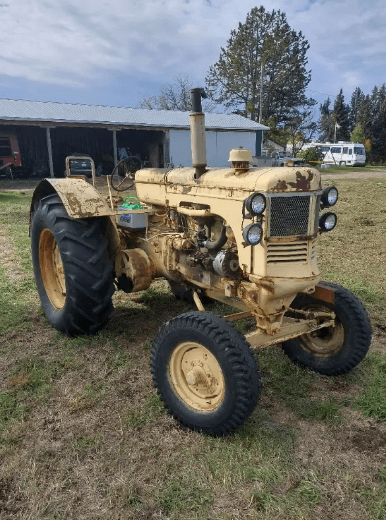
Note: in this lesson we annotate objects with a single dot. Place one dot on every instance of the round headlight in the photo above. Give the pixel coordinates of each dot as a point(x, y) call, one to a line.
point(253, 234)
point(255, 204)
point(327, 221)
point(329, 196)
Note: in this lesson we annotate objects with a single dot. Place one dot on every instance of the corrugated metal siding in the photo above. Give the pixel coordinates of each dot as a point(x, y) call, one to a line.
point(218, 145)
point(38, 111)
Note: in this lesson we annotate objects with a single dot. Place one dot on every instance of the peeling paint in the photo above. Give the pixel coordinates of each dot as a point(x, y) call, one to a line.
point(302, 183)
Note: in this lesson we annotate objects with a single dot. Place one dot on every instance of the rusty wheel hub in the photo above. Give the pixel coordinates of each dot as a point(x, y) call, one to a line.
point(196, 376)
point(51, 269)
point(324, 342)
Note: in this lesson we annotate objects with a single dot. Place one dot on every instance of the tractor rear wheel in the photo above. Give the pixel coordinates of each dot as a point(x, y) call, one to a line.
point(72, 267)
point(332, 351)
point(205, 373)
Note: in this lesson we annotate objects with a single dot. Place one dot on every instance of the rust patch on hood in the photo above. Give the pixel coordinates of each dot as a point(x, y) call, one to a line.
point(302, 183)
point(280, 186)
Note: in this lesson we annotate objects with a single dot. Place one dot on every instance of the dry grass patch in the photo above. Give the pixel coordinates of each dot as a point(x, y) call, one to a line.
point(84, 434)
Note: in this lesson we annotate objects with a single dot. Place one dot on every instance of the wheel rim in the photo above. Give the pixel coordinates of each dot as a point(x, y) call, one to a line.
point(324, 342)
point(196, 376)
point(51, 269)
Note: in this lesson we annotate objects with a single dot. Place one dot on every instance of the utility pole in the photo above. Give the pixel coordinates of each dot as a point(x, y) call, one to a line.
point(261, 93)
point(336, 126)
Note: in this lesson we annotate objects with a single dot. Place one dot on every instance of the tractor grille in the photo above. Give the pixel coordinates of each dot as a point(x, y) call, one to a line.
point(289, 216)
point(293, 252)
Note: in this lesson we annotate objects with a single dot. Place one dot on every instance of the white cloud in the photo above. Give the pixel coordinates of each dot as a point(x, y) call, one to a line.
point(78, 44)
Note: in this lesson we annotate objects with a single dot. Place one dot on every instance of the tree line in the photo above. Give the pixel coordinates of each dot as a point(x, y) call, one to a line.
point(262, 74)
point(363, 120)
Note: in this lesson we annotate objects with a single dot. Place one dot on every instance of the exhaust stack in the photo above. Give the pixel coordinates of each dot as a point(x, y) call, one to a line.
point(197, 132)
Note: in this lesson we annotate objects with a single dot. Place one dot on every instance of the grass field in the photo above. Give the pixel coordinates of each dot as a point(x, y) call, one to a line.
point(83, 434)
point(335, 168)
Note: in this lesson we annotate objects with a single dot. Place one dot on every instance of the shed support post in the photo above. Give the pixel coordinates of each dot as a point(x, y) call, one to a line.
point(115, 147)
point(49, 147)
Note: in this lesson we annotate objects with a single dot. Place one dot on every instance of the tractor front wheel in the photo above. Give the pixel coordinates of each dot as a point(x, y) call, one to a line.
point(337, 350)
point(72, 267)
point(205, 372)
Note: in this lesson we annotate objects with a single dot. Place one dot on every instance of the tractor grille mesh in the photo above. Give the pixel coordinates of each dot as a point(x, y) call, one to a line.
point(293, 252)
point(289, 216)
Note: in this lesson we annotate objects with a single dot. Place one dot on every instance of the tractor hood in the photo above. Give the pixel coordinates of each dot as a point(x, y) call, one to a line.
point(274, 180)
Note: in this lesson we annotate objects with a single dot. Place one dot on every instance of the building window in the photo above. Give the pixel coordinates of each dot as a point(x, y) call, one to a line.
point(5, 147)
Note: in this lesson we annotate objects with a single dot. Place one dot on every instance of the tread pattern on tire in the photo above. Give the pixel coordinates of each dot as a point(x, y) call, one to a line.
point(356, 345)
point(238, 354)
point(87, 265)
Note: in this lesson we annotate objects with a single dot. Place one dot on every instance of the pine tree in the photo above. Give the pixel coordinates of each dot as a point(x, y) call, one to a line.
point(326, 122)
point(357, 99)
point(341, 111)
point(365, 117)
point(262, 71)
point(378, 120)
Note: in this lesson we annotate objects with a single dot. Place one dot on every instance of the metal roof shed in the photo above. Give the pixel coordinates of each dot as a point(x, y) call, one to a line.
point(224, 131)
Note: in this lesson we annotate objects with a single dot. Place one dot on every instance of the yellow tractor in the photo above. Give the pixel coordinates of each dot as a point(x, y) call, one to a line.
point(243, 236)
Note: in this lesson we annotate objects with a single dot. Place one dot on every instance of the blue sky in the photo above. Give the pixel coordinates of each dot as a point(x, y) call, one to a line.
point(115, 53)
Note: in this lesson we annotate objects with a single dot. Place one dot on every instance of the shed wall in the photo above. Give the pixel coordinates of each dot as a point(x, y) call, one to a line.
point(218, 145)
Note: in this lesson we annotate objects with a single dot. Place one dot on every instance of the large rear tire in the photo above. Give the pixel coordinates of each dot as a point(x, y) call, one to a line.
point(72, 267)
point(337, 350)
point(205, 373)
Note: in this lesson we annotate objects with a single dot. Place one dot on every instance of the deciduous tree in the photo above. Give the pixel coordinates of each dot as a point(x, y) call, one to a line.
point(357, 135)
point(175, 96)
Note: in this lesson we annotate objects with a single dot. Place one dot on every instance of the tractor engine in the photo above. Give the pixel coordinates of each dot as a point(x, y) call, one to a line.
point(245, 236)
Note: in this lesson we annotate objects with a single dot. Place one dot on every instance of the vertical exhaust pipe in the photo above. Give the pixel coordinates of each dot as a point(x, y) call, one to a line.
point(197, 132)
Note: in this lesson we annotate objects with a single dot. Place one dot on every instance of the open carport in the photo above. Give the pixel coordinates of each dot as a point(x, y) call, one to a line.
point(47, 132)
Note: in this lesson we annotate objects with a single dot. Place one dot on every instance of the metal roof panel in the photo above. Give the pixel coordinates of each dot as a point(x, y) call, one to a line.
point(41, 111)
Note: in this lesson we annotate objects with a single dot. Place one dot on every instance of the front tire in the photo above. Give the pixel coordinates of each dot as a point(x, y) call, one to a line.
point(205, 373)
point(72, 267)
point(332, 351)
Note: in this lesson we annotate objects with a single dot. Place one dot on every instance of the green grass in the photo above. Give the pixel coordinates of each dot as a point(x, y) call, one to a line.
point(373, 401)
point(30, 382)
point(85, 443)
point(15, 302)
point(14, 217)
point(83, 429)
point(185, 497)
point(152, 410)
point(354, 253)
point(334, 168)
point(297, 388)
point(16, 296)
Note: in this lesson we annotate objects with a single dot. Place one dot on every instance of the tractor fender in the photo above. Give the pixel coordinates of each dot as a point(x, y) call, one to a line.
point(81, 200)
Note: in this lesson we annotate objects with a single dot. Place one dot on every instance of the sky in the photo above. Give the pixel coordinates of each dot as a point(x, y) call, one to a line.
point(116, 53)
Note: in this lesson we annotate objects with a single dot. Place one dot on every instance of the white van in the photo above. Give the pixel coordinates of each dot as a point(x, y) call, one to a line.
point(343, 153)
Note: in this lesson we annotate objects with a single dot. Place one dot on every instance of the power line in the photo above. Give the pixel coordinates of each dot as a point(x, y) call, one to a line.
point(317, 91)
